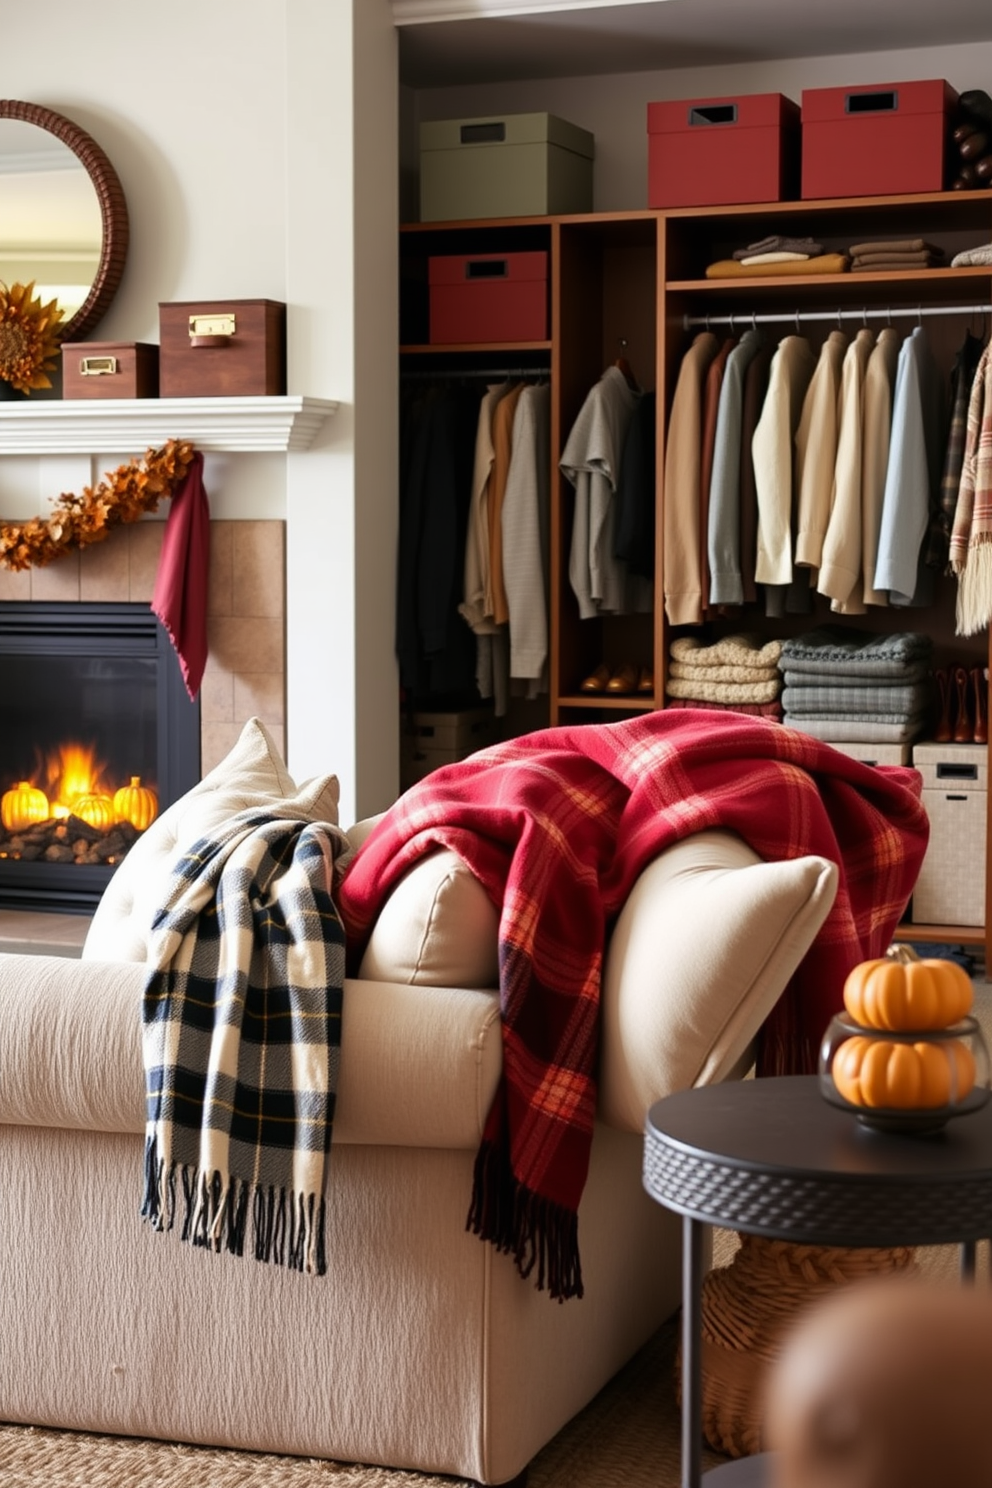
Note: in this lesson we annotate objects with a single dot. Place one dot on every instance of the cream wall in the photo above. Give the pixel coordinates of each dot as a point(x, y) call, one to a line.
point(614, 109)
point(238, 129)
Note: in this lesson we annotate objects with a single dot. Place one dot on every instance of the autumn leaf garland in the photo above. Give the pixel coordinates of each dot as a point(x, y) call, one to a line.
point(77, 521)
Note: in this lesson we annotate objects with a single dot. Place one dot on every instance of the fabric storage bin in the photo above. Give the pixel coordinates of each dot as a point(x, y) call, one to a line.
point(488, 297)
point(109, 369)
point(951, 887)
point(876, 141)
point(222, 348)
point(712, 151)
point(513, 165)
point(429, 740)
point(875, 754)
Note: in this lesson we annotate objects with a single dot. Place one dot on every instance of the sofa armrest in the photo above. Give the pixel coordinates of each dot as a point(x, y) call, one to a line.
point(419, 1065)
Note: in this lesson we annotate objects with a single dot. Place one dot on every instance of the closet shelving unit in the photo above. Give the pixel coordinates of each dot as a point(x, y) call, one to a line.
point(637, 281)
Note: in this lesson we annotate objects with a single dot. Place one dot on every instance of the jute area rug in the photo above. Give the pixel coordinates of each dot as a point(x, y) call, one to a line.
point(627, 1437)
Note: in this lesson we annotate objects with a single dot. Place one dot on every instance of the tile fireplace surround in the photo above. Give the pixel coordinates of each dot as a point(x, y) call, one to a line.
point(245, 673)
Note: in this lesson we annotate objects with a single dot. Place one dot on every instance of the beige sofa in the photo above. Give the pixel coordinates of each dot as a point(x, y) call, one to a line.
point(420, 1348)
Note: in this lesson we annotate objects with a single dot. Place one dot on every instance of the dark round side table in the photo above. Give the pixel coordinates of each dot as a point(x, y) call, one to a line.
point(771, 1157)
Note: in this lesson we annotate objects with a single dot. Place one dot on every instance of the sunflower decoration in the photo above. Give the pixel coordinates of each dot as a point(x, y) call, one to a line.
point(28, 340)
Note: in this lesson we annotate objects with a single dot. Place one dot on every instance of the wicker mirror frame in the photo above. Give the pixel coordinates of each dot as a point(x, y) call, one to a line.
point(113, 210)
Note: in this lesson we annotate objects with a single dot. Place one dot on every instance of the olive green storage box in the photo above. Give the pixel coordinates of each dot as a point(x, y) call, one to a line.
point(514, 165)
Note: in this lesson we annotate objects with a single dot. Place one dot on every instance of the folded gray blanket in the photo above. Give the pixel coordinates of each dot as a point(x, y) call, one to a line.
point(861, 731)
point(877, 701)
point(832, 648)
point(802, 674)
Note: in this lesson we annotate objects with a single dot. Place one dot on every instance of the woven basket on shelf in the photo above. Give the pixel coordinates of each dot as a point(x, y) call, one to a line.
point(746, 1309)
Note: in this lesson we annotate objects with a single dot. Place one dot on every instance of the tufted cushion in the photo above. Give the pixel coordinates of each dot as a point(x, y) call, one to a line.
point(699, 955)
point(253, 774)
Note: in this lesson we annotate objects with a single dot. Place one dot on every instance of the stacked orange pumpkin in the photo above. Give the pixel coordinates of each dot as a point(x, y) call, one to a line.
point(906, 1052)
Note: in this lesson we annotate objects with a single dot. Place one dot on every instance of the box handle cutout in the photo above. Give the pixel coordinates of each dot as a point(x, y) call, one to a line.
point(714, 113)
point(961, 797)
point(871, 103)
point(957, 772)
point(486, 268)
point(97, 366)
point(483, 134)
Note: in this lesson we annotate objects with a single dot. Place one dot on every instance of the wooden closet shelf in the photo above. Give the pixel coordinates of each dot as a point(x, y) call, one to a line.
point(627, 702)
point(969, 935)
point(502, 348)
point(929, 279)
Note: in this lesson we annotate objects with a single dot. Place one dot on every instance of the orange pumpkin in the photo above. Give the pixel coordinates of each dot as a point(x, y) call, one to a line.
point(23, 805)
point(871, 1071)
point(136, 803)
point(906, 996)
point(96, 810)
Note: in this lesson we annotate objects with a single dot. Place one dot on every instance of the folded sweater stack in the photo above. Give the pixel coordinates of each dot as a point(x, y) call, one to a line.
point(899, 253)
point(972, 257)
point(847, 686)
point(736, 673)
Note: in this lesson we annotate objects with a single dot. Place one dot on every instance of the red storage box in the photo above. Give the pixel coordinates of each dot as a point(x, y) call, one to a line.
point(488, 297)
point(706, 152)
point(883, 140)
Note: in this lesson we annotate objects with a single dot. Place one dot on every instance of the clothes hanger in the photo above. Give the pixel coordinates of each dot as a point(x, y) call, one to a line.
point(622, 365)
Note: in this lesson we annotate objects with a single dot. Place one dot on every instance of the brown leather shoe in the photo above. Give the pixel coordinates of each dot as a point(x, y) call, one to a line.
point(596, 681)
point(645, 682)
point(623, 679)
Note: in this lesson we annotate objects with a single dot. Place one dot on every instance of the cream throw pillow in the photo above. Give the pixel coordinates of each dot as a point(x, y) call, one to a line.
point(252, 775)
point(438, 928)
point(700, 954)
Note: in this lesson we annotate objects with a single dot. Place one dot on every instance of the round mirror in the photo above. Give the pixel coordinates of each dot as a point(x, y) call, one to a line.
point(63, 218)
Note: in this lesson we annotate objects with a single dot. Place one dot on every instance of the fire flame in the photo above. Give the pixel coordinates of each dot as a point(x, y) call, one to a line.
point(72, 770)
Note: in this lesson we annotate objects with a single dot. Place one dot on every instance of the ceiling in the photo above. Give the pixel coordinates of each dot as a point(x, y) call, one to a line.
point(655, 35)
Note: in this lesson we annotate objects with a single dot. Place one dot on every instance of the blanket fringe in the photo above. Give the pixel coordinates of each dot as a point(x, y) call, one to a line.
point(536, 1231)
point(974, 597)
point(288, 1229)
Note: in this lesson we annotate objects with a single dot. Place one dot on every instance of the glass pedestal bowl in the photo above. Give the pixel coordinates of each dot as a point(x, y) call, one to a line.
point(905, 1081)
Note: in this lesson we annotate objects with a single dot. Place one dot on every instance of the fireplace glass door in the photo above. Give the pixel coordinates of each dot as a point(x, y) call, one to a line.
point(97, 737)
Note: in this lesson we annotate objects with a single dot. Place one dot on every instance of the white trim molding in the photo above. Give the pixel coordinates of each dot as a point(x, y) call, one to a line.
point(130, 425)
point(422, 12)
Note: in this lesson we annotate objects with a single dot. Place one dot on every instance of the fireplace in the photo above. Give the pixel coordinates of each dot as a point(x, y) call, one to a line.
point(97, 734)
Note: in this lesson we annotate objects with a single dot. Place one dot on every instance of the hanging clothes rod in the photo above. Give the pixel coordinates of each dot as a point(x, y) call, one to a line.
point(864, 315)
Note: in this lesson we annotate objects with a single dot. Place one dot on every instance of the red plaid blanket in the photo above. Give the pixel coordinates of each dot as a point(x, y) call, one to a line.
point(557, 825)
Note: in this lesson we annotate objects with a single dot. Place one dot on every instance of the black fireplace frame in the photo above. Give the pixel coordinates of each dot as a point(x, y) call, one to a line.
point(101, 629)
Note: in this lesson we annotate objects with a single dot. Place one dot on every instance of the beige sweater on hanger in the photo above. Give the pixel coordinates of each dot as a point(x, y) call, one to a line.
point(772, 450)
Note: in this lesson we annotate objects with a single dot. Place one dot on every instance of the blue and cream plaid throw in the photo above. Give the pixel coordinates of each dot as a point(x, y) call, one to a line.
point(241, 1039)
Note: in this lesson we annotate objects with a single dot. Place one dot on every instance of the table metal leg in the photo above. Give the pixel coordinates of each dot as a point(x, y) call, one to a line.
point(692, 1369)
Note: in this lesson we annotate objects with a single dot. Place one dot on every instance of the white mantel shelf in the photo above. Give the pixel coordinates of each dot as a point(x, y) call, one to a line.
point(132, 425)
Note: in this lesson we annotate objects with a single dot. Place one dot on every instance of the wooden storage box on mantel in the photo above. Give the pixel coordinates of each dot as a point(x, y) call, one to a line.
point(109, 369)
point(222, 348)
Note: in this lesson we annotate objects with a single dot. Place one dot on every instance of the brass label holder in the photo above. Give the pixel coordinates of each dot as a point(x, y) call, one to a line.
point(212, 330)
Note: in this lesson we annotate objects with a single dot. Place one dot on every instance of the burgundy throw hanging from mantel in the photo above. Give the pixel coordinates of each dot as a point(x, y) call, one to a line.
point(180, 596)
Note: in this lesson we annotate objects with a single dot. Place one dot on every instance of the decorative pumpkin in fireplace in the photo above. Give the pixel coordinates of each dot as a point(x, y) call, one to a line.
point(95, 810)
point(22, 806)
point(136, 803)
